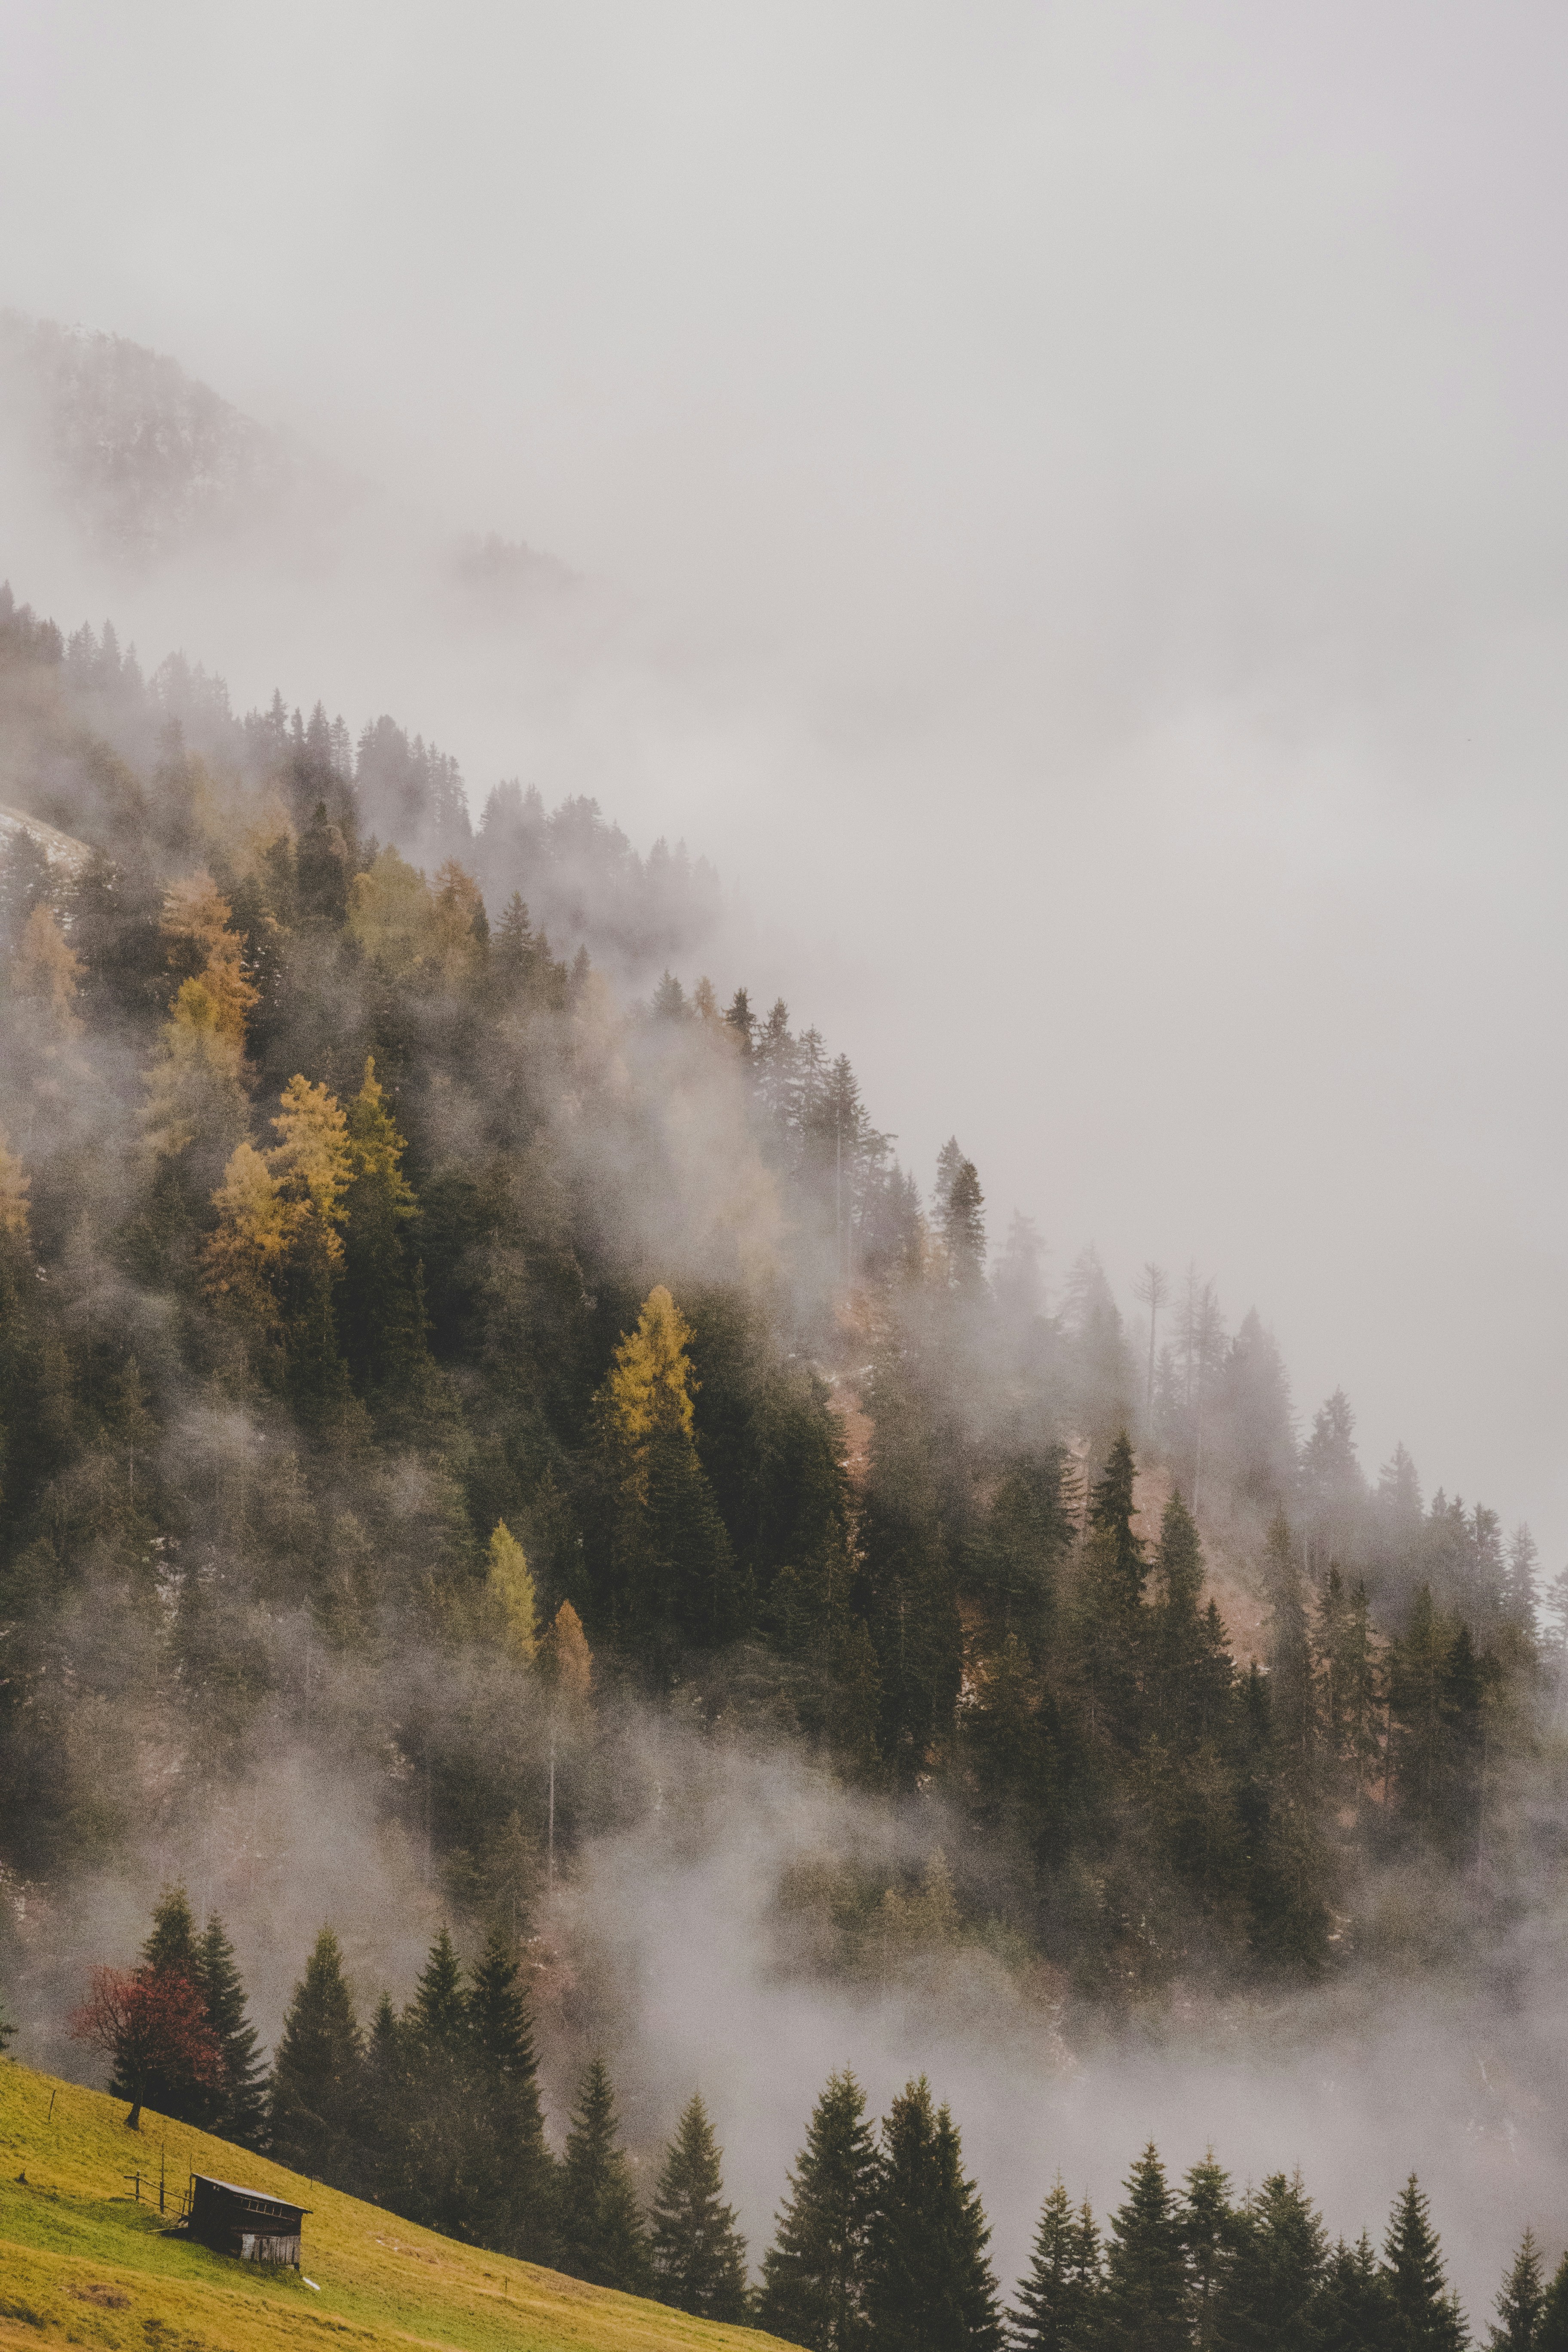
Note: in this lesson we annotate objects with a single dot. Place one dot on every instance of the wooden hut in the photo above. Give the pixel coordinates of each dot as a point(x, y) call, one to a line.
point(244, 2221)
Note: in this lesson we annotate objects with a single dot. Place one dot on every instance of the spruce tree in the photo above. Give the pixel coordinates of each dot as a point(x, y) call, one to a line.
point(316, 2092)
point(448, 2178)
point(1146, 2279)
point(601, 2234)
point(1057, 2308)
point(813, 2273)
point(1268, 2302)
point(1423, 2316)
point(380, 1307)
point(515, 2205)
point(1109, 1619)
point(1207, 2226)
point(1552, 2335)
point(240, 2108)
point(928, 2288)
point(384, 2110)
point(1353, 2312)
point(1520, 2302)
point(699, 2256)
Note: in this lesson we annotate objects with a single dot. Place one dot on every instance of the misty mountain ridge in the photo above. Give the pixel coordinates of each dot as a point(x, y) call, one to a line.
point(148, 465)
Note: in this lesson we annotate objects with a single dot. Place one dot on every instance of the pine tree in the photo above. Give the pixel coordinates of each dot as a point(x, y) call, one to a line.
point(1207, 2224)
point(1058, 2308)
point(316, 2090)
point(448, 2179)
point(1109, 1616)
point(928, 2288)
point(240, 2110)
point(601, 2237)
point(698, 2257)
point(1423, 2316)
point(1552, 2335)
point(384, 2110)
point(1268, 2302)
point(961, 1216)
point(514, 2210)
point(1289, 1657)
point(1521, 2303)
point(1353, 2313)
point(1146, 2279)
point(813, 2273)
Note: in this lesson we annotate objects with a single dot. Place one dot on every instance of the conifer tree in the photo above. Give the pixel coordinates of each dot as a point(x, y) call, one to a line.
point(928, 2288)
point(1552, 2335)
point(240, 2111)
point(1146, 2279)
point(511, 1588)
point(1207, 2223)
point(1520, 2302)
point(1423, 2316)
point(381, 1306)
point(1057, 2308)
point(1353, 2313)
point(601, 2237)
point(813, 2273)
point(1270, 2293)
point(1109, 1603)
point(316, 2092)
point(515, 2208)
point(699, 2256)
point(384, 2109)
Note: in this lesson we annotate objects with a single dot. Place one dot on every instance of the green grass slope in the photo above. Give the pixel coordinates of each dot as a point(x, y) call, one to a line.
point(82, 2261)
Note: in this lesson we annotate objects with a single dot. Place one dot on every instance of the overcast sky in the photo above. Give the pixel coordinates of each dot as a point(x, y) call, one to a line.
point(1083, 489)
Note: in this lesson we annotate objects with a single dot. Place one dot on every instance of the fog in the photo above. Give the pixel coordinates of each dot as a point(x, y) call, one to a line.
point(1078, 492)
point(1064, 505)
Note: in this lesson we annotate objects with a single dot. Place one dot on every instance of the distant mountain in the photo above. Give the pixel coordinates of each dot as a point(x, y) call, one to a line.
point(150, 465)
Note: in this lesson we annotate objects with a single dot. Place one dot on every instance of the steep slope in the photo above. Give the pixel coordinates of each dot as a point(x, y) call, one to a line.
point(82, 2261)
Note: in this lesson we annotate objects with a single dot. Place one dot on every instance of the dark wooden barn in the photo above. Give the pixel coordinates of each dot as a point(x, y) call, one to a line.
point(244, 2221)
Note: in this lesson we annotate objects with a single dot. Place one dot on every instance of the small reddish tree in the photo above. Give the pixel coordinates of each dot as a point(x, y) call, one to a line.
point(153, 2023)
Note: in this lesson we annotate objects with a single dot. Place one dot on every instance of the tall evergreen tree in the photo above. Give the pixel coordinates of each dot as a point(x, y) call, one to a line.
point(1269, 2300)
point(515, 2209)
point(1521, 2303)
point(927, 2285)
point(1145, 2280)
point(1207, 2227)
point(1423, 2316)
point(316, 2092)
point(240, 2111)
point(601, 2236)
point(1353, 2311)
point(813, 2273)
point(698, 2255)
point(1058, 2297)
point(1110, 1613)
point(1552, 2335)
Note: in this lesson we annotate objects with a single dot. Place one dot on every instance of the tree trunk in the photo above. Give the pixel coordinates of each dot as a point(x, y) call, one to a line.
point(133, 2120)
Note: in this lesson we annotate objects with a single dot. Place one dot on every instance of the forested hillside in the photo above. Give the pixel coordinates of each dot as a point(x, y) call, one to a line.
point(417, 1344)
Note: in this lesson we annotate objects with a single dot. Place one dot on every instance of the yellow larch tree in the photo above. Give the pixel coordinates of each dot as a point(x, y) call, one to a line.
point(509, 1583)
point(650, 1384)
point(47, 972)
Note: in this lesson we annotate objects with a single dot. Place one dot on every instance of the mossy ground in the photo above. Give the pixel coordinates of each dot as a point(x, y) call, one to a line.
point(82, 2261)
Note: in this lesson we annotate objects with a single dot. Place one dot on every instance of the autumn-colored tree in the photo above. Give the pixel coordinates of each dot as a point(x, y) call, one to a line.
point(381, 1310)
point(202, 945)
point(46, 974)
point(14, 1182)
point(511, 1589)
point(566, 1656)
point(665, 1566)
point(152, 2022)
point(278, 1248)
